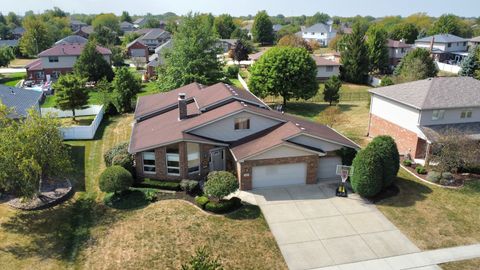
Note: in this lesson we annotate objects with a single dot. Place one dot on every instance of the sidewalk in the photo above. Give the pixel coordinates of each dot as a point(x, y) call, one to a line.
point(425, 260)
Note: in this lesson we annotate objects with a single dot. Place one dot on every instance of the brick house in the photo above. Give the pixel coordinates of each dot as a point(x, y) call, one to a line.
point(58, 60)
point(196, 129)
point(415, 114)
point(136, 49)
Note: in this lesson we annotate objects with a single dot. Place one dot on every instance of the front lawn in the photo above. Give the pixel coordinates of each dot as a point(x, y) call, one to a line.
point(11, 79)
point(434, 217)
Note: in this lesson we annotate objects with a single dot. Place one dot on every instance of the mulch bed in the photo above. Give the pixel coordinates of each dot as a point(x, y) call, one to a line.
point(53, 193)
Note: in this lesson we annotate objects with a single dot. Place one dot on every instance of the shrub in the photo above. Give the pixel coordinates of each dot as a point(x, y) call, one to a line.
point(433, 176)
point(386, 148)
point(347, 154)
point(119, 149)
point(223, 206)
point(160, 184)
point(447, 176)
point(202, 261)
point(201, 201)
point(421, 170)
point(367, 178)
point(407, 162)
point(150, 195)
point(188, 185)
point(123, 160)
point(220, 184)
point(115, 179)
point(232, 71)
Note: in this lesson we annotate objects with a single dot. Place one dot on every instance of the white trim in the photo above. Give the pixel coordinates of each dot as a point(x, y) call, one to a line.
point(177, 141)
point(323, 139)
point(287, 144)
point(234, 98)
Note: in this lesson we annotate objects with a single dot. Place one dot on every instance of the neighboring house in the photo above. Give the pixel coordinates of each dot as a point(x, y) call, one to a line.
point(473, 42)
point(12, 43)
point(157, 59)
point(226, 44)
point(277, 27)
point(76, 25)
point(320, 32)
point(20, 100)
point(193, 130)
point(415, 114)
point(127, 27)
point(73, 39)
point(152, 69)
point(326, 68)
point(255, 56)
point(397, 49)
point(18, 32)
point(57, 60)
point(153, 37)
point(140, 22)
point(84, 31)
point(136, 49)
point(445, 48)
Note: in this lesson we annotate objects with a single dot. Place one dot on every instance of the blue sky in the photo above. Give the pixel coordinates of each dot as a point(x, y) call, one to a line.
point(376, 8)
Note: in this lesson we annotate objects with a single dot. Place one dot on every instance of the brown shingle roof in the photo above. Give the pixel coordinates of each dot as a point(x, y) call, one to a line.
point(70, 49)
point(398, 44)
point(320, 61)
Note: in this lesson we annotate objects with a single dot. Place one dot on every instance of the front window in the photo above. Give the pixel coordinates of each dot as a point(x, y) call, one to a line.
point(193, 150)
point(438, 114)
point(329, 69)
point(242, 123)
point(53, 59)
point(466, 114)
point(149, 162)
point(449, 45)
point(173, 160)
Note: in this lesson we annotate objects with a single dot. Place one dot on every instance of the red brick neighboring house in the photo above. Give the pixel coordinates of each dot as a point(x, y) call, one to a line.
point(193, 130)
point(415, 114)
point(58, 60)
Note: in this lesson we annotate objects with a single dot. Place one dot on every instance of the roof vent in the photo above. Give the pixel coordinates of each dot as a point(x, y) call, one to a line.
point(302, 128)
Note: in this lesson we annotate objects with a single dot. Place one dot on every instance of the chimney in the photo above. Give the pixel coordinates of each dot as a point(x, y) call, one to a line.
point(182, 106)
point(431, 44)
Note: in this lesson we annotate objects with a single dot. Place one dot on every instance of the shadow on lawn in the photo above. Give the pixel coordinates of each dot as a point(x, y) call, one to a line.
point(77, 154)
point(246, 212)
point(410, 192)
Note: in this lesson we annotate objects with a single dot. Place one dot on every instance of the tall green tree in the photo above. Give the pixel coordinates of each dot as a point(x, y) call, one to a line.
point(125, 17)
point(224, 26)
point(295, 41)
point(193, 57)
point(71, 93)
point(355, 60)
point(317, 18)
point(331, 92)
point(446, 24)
point(416, 65)
point(57, 27)
point(13, 19)
point(284, 71)
point(104, 36)
point(471, 63)
point(36, 37)
point(377, 49)
point(108, 20)
point(240, 51)
point(262, 29)
point(125, 88)
point(406, 31)
point(31, 151)
point(6, 55)
point(91, 64)
point(152, 23)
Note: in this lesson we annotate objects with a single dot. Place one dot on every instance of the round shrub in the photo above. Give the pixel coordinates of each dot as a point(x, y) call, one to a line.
point(433, 177)
point(115, 179)
point(123, 160)
point(421, 170)
point(201, 201)
point(223, 206)
point(367, 176)
point(220, 184)
point(188, 185)
point(232, 71)
point(386, 148)
point(119, 149)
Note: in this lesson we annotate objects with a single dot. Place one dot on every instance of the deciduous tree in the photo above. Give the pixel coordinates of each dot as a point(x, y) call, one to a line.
point(416, 65)
point(224, 25)
point(125, 88)
point(406, 31)
point(91, 64)
point(262, 29)
point(108, 20)
point(6, 55)
point(36, 38)
point(71, 93)
point(125, 17)
point(294, 41)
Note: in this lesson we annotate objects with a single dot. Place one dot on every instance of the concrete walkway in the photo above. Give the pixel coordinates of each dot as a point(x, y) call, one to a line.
point(315, 229)
point(418, 261)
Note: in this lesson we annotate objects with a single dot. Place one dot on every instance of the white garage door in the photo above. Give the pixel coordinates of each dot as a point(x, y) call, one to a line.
point(137, 52)
point(279, 175)
point(327, 167)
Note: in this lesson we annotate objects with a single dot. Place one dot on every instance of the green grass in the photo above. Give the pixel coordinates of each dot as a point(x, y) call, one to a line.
point(434, 217)
point(12, 79)
point(79, 121)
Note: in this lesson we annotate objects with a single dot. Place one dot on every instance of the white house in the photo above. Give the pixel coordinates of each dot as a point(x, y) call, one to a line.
point(326, 68)
point(320, 32)
point(445, 48)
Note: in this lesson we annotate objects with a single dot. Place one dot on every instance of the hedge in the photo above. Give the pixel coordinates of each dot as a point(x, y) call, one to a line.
point(367, 178)
point(160, 184)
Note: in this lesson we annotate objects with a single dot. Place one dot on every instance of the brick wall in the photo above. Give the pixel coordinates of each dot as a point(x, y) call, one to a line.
point(244, 169)
point(406, 140)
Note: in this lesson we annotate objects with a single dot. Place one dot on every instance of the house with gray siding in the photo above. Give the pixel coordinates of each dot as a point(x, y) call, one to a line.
point(20, 100)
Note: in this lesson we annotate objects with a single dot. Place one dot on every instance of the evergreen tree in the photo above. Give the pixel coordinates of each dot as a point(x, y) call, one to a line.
point(331, 92)
point(125, 17)
point(470, 64)
point(224, 26)
point(377, 49)
point(193, 57)
point(71, 93)
point(92, 65)
point(125, 88)
point(354, 59)
point(262, 29)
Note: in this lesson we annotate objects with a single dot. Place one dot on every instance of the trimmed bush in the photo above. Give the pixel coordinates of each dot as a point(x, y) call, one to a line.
point(123, 160)
point(434, 177)
point(115, 179)
point(223, 206)
point(407, 162)
point(201, 201)
point(220, 184)
point(367, 178)
point(421, 170)
point(160, 184)
point(232, 71)
point(347, 154)
point(386, 148)
point(119, 149)
point(188, 185)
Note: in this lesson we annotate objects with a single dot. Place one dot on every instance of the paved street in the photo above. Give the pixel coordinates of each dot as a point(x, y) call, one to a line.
point(314, 228)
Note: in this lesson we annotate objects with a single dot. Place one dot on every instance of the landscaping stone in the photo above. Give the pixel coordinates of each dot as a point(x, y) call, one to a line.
point(52, 194)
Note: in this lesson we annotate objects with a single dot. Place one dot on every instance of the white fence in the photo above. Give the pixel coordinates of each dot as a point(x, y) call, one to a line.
point(448, 68)
point(374, 81)
point(79, 132)
point(242, 82)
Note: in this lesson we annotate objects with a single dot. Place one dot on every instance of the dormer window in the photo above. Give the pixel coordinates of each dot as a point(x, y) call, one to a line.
point(438, 114)
point(242, 123)
point(466, 114)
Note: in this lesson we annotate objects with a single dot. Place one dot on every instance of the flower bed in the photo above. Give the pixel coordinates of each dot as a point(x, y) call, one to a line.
point(454, 180)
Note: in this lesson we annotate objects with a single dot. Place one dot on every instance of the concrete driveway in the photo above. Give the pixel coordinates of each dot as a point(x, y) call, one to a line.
point(314, 228)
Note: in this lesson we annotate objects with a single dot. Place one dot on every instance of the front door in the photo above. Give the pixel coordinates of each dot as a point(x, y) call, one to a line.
point(217, 159)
